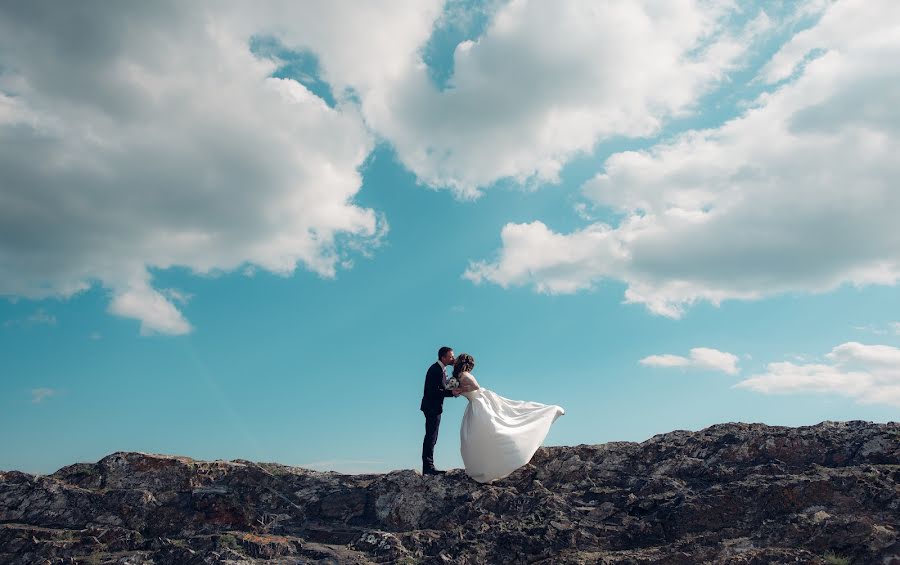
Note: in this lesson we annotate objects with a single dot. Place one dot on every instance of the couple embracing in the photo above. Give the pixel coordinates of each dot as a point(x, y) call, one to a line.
point(497, 435)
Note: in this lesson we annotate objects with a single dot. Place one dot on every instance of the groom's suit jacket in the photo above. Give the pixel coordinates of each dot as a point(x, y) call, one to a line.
point(434, 394)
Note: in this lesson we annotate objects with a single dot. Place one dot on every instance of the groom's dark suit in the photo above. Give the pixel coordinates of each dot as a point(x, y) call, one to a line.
point(432, 405)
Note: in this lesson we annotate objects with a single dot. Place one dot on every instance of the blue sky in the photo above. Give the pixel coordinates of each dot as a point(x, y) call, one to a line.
point(658, 221)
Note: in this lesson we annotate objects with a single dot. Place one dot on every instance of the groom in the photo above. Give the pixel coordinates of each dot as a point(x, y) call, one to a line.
point(433, 405)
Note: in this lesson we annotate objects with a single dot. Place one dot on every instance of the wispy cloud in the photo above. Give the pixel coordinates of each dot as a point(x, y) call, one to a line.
point(873, 329)
point(39, 318)
point(703, 358)
point(39, 394)
point(176, 295)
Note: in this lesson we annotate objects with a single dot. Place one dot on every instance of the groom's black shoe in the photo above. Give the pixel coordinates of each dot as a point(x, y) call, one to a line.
point(432, 471)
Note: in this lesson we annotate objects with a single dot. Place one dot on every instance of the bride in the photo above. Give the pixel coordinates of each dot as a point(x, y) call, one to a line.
point(498, 435)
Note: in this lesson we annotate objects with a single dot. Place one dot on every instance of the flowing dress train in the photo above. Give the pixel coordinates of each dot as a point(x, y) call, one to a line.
point(498, 435)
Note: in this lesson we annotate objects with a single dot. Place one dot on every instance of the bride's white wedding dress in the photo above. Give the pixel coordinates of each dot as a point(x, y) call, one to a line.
point(499, 435)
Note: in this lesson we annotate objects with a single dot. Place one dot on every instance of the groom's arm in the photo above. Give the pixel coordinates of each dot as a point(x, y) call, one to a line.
point(446, 393)
point(436, 384)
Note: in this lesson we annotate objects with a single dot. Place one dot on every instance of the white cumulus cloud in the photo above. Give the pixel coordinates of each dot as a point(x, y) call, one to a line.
point(140, 137)
point(870, 374)
point(703, 358)
point(799, 193)
point(548, 80)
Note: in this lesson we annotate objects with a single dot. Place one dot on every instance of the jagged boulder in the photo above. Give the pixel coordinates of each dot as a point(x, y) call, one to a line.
point(730, 493)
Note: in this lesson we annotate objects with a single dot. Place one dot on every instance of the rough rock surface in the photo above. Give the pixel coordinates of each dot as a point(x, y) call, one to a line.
point(731, 493)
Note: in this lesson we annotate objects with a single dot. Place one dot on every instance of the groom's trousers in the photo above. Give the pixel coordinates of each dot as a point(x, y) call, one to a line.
point(432, 423)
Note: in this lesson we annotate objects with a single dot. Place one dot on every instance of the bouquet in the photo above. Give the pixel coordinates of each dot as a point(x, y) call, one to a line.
point(452, 383)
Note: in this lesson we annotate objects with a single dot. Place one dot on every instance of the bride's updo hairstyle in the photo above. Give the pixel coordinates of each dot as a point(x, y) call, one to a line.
point(464, 362)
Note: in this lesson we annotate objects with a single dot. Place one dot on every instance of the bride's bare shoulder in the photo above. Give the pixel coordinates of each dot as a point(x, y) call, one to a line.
point(468, 378)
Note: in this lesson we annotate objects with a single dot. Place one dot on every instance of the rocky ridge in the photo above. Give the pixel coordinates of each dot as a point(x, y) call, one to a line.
point(730, 493)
